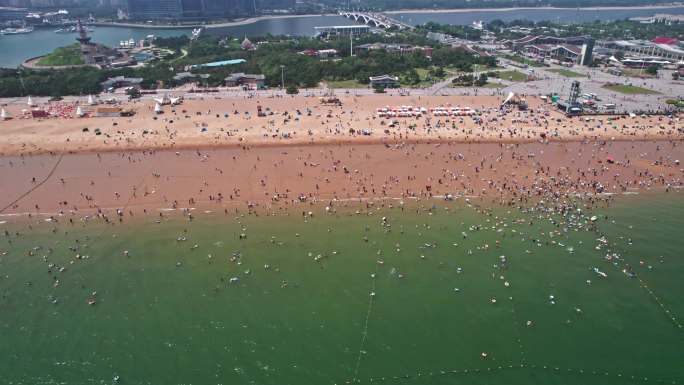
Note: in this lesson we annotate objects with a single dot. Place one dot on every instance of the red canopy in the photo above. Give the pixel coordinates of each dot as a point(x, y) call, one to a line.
point(665, 40)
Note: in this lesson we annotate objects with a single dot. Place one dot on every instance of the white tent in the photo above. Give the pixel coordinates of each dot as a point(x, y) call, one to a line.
point(91, 100)
point(4, 115)
point(164, 100)
point(79, 112)
point(30, 101)
point(510, 97)
point(158, 108)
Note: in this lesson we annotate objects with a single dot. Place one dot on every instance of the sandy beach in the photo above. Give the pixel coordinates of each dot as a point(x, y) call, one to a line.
point(209, 122)
point(217, 154)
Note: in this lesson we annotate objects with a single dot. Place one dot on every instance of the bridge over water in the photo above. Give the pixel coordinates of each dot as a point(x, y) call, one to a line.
point(375, 19)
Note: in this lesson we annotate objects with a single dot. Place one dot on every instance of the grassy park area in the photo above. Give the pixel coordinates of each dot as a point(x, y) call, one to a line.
point(494, 85)
point(63, 56)
point(567, 73)
point(345, 84)
point(629, 89)
point(523, 60)
point(513, 75)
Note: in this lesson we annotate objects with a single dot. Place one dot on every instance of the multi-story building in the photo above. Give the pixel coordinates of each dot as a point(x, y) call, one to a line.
point(268, 5)
point(155, 9)
point(668, 49)
point(189, 9)
point(8, 14)
point(227, 8)
point(565, 53)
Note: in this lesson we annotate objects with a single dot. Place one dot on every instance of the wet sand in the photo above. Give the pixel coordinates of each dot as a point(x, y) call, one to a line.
point(282, 177)
point(212, 122)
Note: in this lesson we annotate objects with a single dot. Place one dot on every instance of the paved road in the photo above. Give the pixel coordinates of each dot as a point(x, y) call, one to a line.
point(547, 82)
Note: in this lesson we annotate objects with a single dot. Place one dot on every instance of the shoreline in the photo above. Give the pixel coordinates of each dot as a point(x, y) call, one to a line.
point(256, 19)
point(191, 146)
point(510, 9)
point(294, 177)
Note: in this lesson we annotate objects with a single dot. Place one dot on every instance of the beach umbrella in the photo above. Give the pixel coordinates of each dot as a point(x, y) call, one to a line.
point(30, 101)
point(79, 112)
point(4, 115)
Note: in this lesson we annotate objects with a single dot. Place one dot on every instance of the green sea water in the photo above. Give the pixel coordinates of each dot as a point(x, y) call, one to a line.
point(422, 297)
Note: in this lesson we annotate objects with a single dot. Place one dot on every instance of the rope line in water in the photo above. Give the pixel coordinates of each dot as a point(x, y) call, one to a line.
point(537, 368)
point(619, 265)
point(669, 313)
point(364, 333)
point(516, 324)
point(32, 189)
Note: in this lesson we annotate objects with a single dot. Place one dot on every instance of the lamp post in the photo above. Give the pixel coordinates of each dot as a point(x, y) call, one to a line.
point(282, 76)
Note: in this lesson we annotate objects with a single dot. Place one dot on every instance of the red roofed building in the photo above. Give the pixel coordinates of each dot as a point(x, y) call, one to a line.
point(309, 52)
point(666, 40)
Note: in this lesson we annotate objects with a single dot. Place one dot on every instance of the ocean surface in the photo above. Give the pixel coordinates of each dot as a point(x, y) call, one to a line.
point(17, 48)
point(428, 294)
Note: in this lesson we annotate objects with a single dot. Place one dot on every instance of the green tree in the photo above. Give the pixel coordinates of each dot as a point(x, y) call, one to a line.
point(437, 72)
point(412, 77)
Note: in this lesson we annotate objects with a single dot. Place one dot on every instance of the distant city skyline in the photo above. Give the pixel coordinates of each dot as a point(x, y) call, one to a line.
point(189, 7)
point(194, 9)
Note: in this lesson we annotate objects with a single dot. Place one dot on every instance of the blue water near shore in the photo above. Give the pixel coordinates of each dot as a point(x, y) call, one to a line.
point(17, 48)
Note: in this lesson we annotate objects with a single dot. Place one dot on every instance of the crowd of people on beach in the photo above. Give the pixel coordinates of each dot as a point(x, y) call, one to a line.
point(375, 119)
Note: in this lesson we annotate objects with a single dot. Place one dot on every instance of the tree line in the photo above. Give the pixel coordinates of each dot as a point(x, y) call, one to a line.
point(273, 52)
point(379, 5)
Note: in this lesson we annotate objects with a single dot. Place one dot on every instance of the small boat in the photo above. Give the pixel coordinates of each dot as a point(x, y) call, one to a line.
point(16, 31)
